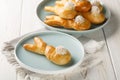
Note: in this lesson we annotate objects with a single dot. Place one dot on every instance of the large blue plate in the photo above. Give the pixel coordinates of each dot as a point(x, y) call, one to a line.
point(39, 63)
point(41, 13)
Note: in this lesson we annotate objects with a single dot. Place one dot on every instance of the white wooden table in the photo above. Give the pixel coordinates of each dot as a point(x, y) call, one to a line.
point(18, 17)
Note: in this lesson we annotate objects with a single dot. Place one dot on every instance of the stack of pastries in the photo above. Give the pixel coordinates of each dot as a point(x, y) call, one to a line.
point(75, 14)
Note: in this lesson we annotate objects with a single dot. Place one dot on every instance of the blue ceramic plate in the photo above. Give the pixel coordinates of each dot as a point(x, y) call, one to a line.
point(39, 63)
point(41, 13)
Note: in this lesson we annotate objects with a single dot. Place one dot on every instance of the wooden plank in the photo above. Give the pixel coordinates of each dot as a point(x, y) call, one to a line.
point(112, 32)
point(10, 17)
point(30, 21)
point(105, 70)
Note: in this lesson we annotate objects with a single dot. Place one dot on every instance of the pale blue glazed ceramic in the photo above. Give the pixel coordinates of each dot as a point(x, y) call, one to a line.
point(41, 13)
point(39, 63)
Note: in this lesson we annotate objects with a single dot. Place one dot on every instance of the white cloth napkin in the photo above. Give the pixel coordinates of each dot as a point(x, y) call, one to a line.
point(91, 59)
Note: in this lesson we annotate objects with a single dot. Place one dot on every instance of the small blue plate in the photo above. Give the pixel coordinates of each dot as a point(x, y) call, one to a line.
point(41, 13)
point(39, 63)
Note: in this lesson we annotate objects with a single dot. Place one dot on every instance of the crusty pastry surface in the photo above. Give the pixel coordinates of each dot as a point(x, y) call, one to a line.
point(61, 11)
point(65, 16)
point(57, 21)
point(52, 53)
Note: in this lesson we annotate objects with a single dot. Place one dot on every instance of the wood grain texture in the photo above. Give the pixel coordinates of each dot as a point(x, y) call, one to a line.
point(10, 17)
point(112, 32)
point(103, 71)
point(30, 21)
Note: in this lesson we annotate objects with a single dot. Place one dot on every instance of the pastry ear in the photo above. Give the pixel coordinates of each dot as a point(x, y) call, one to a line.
point(37, 41)
point(30, 47)
point(49, 8)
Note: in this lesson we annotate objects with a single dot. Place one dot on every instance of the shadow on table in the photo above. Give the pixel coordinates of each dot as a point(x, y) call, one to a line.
point(111, 28)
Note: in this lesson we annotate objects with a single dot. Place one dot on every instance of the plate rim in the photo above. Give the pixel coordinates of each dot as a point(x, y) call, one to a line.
point(45, 71)
point(70, 31)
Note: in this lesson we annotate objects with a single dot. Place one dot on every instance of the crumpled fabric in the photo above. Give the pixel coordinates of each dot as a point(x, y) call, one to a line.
point(91, 59)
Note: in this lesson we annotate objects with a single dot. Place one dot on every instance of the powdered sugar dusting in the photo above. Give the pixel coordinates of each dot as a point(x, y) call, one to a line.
point(79, 19)
point(61, 50)
point(69, 5)
point(95, 10)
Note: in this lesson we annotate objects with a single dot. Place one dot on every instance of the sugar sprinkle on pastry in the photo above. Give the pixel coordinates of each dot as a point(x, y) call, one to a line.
point(95, 10)
point(69, 5)
point(61, 50)
point(79, 19)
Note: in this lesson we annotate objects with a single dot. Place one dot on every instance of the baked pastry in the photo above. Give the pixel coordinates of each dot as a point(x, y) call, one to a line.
point(66, 11)
point(95, 16)
point(83, 5)
point(58, 55)
point(79, 23)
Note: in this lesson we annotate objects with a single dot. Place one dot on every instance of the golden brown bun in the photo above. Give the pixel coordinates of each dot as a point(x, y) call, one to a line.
point(57, 21)
point(60, 11)
point(40, 47)
point(83, 6)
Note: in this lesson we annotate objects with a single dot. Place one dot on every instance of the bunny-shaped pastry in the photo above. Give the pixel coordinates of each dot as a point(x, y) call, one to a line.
point(58, 55)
